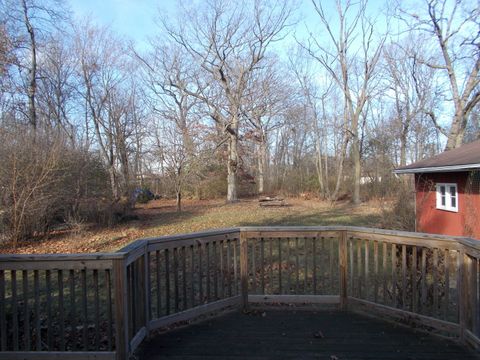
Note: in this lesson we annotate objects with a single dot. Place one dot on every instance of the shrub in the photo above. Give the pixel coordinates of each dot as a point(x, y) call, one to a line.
point(400, 214)
point(45, 182)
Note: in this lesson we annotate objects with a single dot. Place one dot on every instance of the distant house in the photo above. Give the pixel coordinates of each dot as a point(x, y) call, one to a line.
point(447, 192)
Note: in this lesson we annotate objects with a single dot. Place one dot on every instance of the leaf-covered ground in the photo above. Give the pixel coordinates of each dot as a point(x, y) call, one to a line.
point(160, 218)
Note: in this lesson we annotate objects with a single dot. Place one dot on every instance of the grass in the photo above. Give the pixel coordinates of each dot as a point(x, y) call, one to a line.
point(159, 218)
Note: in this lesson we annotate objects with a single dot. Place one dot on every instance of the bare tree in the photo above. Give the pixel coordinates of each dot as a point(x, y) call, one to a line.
point(455, 28)
point(228, 43)
point(30, 21)
point(356, 87)
point(412, 86)
point(265, 103)
point(102, 60)
point(57, 85)
point(167, 76)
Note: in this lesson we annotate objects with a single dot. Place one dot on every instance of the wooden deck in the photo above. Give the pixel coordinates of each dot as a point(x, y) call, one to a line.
point(279, 334)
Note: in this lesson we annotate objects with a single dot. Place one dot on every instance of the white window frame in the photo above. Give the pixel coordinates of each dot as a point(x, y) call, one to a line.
point(448, 197)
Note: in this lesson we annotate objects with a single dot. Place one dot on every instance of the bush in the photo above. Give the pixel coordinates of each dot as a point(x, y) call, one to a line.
point(45, 182)
point(400, 215)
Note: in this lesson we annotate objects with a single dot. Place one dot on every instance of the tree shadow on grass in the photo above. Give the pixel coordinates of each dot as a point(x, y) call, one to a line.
point(328, 218)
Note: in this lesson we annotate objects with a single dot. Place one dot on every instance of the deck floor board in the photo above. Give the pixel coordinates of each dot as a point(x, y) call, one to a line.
point(291, 335)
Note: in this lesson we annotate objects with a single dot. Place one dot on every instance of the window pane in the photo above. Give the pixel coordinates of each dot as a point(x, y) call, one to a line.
point(454, 201)
point(443, 200)
point(442, 190)
point(453, 191)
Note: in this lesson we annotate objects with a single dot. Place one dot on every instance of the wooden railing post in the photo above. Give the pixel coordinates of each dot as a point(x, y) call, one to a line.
point(342, 256)
point(244, 269)
point(462, 294)
point(121, 309)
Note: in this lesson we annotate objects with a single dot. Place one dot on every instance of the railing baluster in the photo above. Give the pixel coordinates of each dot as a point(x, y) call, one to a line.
point(48, 289)
point(96, 300)
point(331, 263)
point(367, 273)
point(404, 277)
point(175, 279)
point(262, 264)
point(359, 268)
point(13, 279)
point(375, 270)
point(424, 280)
point(473, 294)
point(207, 260)
point(200, 273)
point(3, 318)
point(184, 278)
point(271, 279)
point(279, 266)
point(414, 280)
point(297, 267)
point(384, 272)
point(83, 274)
point(289, 275)
point(222, 271)
point(73, 312)
point(314, 265)
point(244, 269)
point(38, 328)
point(253, 242)
point(305, 273)
point(109, 309)
point(229, 267)
point(342, 260)
point(447, 284)
point(236, 244)
point(61, 310)
point(192, 276)
point(435, 282)
point(215, 271)
point(158, 283)
point(353, 283)
point(167, 281)
point(394, 275)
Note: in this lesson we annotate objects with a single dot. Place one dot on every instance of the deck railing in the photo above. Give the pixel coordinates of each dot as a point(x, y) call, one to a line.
point(102, 306)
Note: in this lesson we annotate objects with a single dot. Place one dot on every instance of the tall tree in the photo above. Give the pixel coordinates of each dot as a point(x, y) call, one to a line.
point(30, 21)
point(353, 74)
point(228, 42)
point(454, 27)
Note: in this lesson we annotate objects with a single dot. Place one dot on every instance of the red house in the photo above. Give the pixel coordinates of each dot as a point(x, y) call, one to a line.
point(447, 192)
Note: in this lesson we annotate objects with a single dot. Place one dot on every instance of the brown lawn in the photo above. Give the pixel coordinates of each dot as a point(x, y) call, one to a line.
point(159, 218)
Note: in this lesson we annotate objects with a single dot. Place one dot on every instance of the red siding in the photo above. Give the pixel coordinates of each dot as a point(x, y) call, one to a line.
point(465, 222)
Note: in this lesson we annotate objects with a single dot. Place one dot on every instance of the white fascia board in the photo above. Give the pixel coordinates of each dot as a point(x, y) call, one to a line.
point(450, 168)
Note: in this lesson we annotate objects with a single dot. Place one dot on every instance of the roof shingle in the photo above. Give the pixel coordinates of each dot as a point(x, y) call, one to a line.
point(465, 157)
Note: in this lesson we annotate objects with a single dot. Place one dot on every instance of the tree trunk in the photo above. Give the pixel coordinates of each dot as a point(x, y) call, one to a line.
point(179, 201)
point(357, 169)
point(319, 165)
point(232, 165)
point(457, 130)
point(262, 164)
point(113, 182)
point(340, 167)
point(32, 71)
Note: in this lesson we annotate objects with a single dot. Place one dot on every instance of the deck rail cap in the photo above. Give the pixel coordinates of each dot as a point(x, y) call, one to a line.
point(63, 257)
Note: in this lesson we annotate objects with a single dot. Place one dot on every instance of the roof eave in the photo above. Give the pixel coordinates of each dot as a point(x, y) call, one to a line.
point(434, 169)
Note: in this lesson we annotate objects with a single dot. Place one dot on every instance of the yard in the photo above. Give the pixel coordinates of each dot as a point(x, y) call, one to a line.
point(159, 218)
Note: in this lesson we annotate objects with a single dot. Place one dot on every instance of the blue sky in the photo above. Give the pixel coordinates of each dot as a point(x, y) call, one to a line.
point(134, 19)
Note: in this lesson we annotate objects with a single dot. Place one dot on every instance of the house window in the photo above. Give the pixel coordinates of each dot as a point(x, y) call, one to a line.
point(447, 197)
